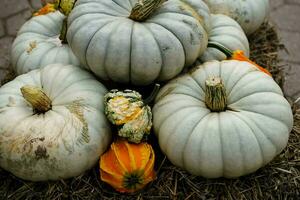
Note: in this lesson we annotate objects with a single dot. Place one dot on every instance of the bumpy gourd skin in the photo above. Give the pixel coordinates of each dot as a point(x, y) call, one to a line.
point(252, 130)
point(115, 47)
point(126, 109)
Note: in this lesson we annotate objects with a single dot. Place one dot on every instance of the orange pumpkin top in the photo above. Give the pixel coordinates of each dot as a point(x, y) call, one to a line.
point(49, 7)
point(128, 167)
point(239, 55)
point(236, 55)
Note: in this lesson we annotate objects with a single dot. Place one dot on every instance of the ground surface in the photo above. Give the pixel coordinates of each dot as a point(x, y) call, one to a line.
point(285, 15)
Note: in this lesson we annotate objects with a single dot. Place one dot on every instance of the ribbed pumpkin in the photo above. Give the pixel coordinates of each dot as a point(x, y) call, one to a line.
point(223, 119)
point(228, 33)
point(52, 123)
point(41, 41)
point(250, 14)
point(138, 42)
point(128, 167)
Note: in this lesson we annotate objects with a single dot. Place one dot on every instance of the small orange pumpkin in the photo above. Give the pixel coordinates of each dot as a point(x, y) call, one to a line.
point(128, 167)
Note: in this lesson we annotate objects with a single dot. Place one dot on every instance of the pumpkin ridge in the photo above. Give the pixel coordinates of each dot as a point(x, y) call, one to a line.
point(130, 49)
point(193, 12)
point(131, 157)
point(251, 111)
point(13, 129)
point(165, 28)
point(110, 75)
point(254, 134)
point(251, 80)
point(60, 72)
point(192, 75)
point(159, 47)
point(228, 34)
point(221, 142)
point(41, 60)
point(263, 133)
point(39, 22)
point(24, 53)
point(90, 40)
point(239, 139)
point(121, 6)
point(173, 132)
point(184, 162)
point(82, 27)
point(184, 14)
point(199, 85)
point(236, 68)
point(60, 93)
point(248, 95)
point(116, 152)
point(116, 182)
point(184, 95)
point(92, 12)
point(149, 165)
point(114, 26)
point(107, 168)
point(174, 113)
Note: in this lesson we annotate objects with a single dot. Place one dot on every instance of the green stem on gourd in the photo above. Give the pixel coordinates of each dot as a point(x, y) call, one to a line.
point(144, 8)
point(215, 94)
point(153, 94)
point(63, 32)
point(39, 101)
point(221, 48)
point(65, 7)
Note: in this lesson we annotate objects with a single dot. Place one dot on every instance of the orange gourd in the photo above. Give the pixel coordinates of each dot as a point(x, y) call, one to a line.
point(236, 55)
point(49, 7)
point(128, 167)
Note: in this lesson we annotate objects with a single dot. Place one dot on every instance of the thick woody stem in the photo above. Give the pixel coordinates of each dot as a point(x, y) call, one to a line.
point(39, 101)
point(143, 8)
point(215, 94)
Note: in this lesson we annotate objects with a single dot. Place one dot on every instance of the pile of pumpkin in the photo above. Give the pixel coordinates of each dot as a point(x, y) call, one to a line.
point(223, 117)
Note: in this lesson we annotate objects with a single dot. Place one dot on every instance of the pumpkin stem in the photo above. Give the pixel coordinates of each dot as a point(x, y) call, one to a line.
point(236, 55)
point(65, 7)
point(220, 47)
point(215, 94)
point(63, 32)
point(153, 94)
point(144, 8)
point(39, 101)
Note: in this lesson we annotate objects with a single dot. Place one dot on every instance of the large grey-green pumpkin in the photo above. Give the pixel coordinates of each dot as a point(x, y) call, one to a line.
point(227, 32)
point(38, 44)
point(224, 119)
point(250, 14)
point(52, 123)
point(123, 49)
